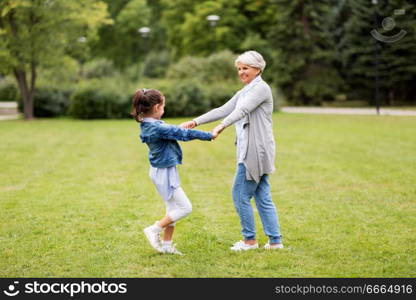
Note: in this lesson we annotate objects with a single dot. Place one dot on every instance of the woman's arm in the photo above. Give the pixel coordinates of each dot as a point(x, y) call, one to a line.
point(253, 99)
point(217, 113)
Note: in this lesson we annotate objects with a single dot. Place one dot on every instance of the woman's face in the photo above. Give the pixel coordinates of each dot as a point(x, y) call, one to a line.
point(247, 73)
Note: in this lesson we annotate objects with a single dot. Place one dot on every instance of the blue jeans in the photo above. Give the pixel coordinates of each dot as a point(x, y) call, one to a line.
point(243, 191)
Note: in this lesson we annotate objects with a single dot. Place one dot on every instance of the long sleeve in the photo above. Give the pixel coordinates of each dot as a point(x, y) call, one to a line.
point(218, 113)
point(171, 132)
point(249, 102)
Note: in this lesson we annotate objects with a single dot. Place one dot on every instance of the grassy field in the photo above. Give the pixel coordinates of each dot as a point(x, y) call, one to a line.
point(75, 196)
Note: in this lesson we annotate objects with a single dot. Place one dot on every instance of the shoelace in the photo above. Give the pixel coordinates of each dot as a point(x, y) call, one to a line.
point(238, 244)
point(172, 249)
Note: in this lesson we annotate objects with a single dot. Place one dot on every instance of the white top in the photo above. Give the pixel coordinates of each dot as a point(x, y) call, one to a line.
point(254, 102)
point(241, 132)
point(241, 140)
point(166, 180)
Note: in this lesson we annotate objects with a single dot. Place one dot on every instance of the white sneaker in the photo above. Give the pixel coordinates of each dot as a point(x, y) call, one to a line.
point(241, 246)
point(171, 249)
point(153, 235)
point(274, 246)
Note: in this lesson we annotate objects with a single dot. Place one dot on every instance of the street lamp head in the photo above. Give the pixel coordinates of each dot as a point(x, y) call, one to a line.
point(144, 31)
point(213, 19)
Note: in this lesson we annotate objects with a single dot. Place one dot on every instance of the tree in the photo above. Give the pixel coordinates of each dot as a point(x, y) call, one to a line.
point(189, 33)
point(37, 32)
point(303, 59)
point(121, 42)
point(397, 60)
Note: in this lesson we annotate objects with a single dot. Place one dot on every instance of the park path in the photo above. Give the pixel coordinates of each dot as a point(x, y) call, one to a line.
point(8, 111)
point(346, 111)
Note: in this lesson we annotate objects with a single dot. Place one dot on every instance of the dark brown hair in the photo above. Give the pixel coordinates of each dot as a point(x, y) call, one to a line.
point(143, 102)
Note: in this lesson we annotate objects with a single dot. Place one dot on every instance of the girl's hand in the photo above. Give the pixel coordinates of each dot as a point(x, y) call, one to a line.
point(188, 125)
point(217, 130)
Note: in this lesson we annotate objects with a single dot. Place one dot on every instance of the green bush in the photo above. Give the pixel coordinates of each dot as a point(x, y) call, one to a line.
point(8, 90)
point(95, 100)
point(156, 64)
point(218, 94)
point(318, 84)
point(98, 68)
point(213, 69)
point(51, 102)
point(183, 98)
point(63, 75)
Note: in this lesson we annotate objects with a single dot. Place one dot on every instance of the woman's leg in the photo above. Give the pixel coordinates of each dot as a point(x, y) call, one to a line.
point(243, 191)
point(267, 211)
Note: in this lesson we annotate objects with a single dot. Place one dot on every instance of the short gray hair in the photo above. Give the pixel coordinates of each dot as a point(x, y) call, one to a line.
point(251, 58)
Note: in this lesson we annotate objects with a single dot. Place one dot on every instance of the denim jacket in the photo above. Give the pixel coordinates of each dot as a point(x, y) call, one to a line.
point(161, 138)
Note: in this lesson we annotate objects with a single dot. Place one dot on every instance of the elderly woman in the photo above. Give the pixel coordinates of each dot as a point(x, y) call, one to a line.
point(250, 110)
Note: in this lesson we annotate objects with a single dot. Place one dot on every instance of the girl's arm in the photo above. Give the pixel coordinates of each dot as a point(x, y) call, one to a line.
point(172, 132)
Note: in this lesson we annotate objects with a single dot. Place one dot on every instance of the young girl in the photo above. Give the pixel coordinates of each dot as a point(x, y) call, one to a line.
point(164, 154)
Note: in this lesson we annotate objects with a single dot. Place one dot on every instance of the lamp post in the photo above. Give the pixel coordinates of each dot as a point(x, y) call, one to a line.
point(213, 20)
point(82, 40)
point(376, 63)
point(144, 32)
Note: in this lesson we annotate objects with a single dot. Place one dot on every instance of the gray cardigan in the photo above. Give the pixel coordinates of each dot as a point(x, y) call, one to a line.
point(254, 103)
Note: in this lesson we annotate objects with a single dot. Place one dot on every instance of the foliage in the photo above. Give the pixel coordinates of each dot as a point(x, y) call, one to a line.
point(303, 60)
point(220, 93)
point(95, 100)
point(36, 32)
point(314, 50)
point(396, 61)
point(8, 89)
point(218, 67)
point(63, 75)
point(155, 65)
point(100, 67)
point(183, 97)
point(189, 33)
point(51, 102)
point(121, 42)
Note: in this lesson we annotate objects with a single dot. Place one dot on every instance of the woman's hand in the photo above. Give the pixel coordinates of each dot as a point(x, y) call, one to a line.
point(188, 125)
point(217, 130)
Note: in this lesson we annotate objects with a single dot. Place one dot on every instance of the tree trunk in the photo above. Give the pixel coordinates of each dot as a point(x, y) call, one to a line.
point(26, 93)
point(305, 22)
point(26, 90)
point(390, 98)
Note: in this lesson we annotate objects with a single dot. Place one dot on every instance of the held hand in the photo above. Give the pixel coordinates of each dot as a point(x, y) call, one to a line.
point(217, 130)
point(188, 125)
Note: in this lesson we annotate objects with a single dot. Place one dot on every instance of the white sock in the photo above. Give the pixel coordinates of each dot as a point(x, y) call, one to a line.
point(166, 243)
point(157, 227)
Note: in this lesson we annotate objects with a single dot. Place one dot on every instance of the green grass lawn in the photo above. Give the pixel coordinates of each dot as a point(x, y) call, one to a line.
point(75, 196)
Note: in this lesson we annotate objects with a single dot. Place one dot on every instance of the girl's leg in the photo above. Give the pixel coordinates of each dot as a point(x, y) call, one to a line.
point(165, 221)
point(179, 207)
point(168, 233)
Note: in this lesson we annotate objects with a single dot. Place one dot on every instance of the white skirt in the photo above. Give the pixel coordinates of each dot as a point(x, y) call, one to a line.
point(166, 180)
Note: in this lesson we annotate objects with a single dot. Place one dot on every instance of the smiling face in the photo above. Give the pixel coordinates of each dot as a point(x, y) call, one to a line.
point(247, 73)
